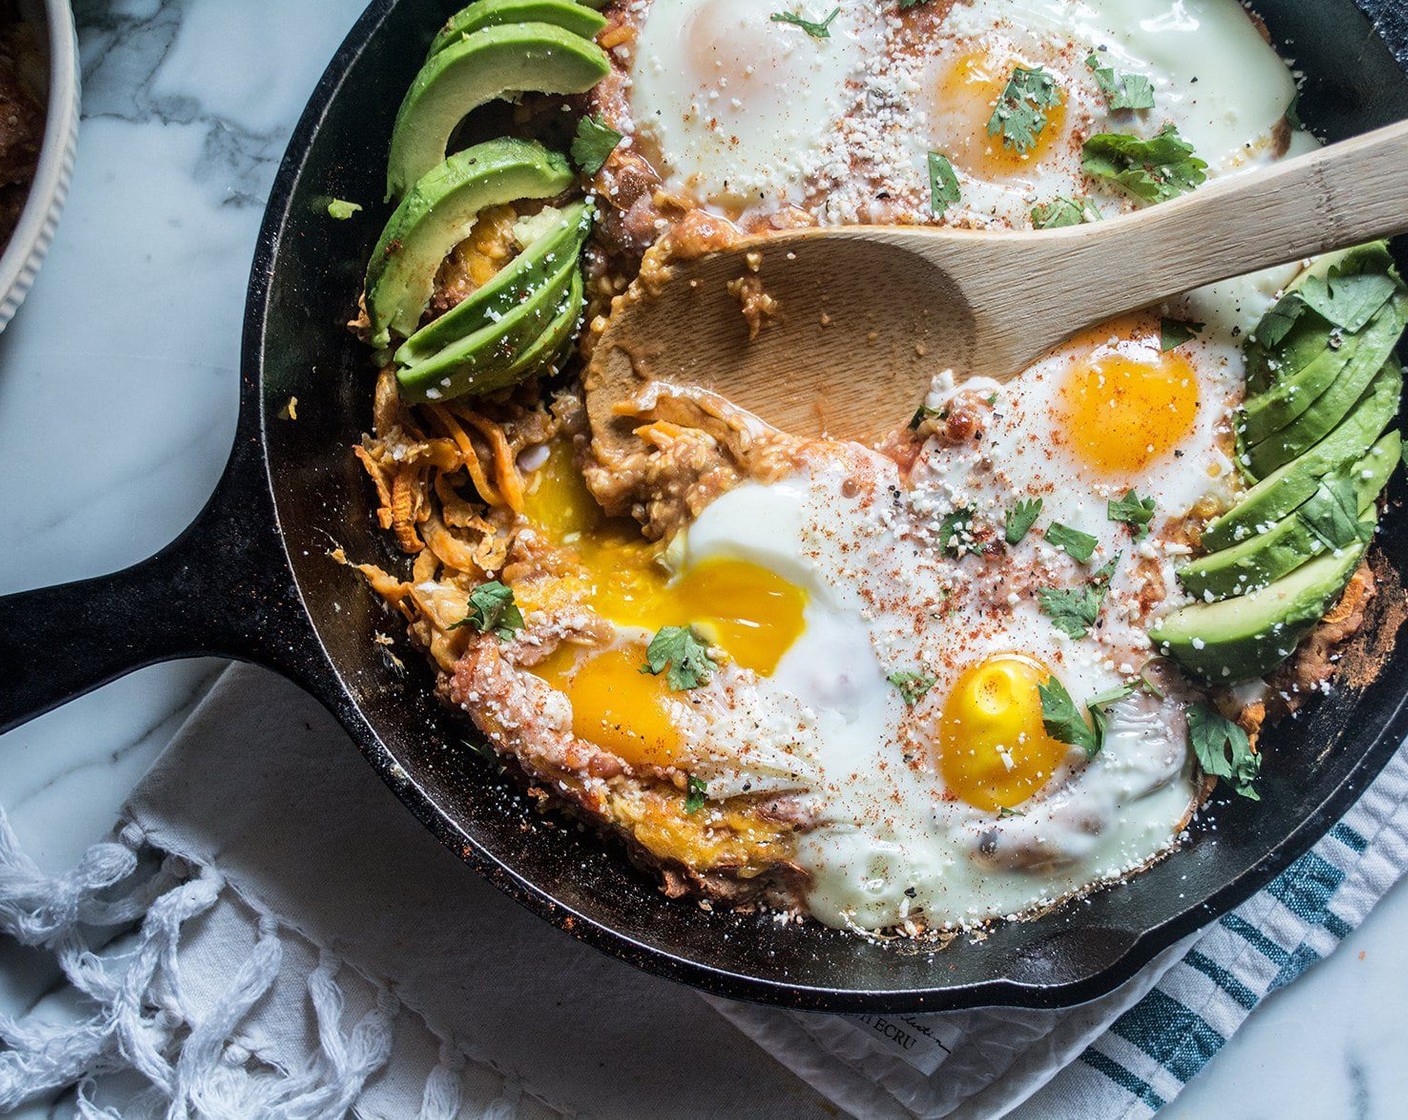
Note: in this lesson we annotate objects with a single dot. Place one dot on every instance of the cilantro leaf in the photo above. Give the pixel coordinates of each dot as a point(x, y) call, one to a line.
point(1134, 511)
point(341, 209)
point(1152, 170)
point(492, 610)
point(1075, 544)
point(1099, 707)
point(1021, 518)
point(1173, 333)
point(817, 29)
point(1277, 322)
point(1223, 750)
point(1003, 813)
point(1062, 719)
point(1064, 211)
point(1019, 116)
point(944, 190)
point(595, 142)
point(697, 792)
point(1347, 299)
point(905, 5)
point(1073, 611)
point(1122, 91)
point(1102, 575)
point(684, 653)
point(1332, 513)
point(924, 412)
point(913, 686)
point(956, 532)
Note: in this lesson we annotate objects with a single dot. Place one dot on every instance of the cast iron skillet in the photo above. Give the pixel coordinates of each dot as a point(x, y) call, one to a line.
point(252, 579)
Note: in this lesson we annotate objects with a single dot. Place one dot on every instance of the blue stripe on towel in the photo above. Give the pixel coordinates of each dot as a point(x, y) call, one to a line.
point(1134, 1086)
point(1170, 1033)
point(1222, 978)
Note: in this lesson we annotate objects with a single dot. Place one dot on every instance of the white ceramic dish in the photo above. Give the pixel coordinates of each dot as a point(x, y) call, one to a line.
point(22, 257)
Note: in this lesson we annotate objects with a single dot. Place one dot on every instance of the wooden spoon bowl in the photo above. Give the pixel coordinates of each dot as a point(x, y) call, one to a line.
point(866, 315)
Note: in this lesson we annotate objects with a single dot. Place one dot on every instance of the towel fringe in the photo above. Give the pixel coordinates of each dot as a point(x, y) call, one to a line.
point(114, 925)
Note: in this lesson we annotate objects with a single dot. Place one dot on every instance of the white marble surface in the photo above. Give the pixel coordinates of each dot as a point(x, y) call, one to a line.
point(117, 403)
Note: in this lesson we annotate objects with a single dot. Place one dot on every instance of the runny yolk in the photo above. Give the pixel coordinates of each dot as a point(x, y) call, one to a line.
point(615, 705)
point(964, 101)
point(994, 751)
point(1125, 403)
point(751, 613)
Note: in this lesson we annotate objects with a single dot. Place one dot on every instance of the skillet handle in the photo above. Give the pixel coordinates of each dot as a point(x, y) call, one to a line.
point(224, 588)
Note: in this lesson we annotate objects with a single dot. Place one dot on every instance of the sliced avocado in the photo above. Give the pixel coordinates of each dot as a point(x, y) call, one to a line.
point(1291, 542)
point(566, 14)
point(1303, 390)
point(1327, 411)
point(510, 287)
point(1305, 341)
point(494, 62)
point(1280, 492)
point(440, 213)
point(1246, 637)
point(481, 361)
point(549, 347)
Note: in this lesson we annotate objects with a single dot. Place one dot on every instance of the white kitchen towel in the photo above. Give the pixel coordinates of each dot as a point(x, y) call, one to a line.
point(290, 942)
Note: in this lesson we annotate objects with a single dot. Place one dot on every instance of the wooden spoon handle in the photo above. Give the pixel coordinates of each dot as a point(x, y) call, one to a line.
point(1340, 196)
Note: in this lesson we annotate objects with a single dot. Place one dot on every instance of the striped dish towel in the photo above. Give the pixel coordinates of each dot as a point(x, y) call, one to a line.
point(1129, 1054)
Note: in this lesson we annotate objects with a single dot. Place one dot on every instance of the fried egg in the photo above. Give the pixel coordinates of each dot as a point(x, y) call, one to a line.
point(744, 113)
point(737, 104)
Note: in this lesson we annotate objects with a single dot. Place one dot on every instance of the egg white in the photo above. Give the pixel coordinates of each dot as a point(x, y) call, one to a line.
point(739, 105)
point(885, 845)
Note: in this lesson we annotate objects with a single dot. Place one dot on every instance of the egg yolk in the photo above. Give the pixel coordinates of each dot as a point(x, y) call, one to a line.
point(964, 101)
point(751, 613)
point(1125, 403)
point(615, 705)
point(994, 751)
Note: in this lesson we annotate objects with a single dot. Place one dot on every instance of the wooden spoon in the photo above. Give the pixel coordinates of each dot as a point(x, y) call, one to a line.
point(868, 314)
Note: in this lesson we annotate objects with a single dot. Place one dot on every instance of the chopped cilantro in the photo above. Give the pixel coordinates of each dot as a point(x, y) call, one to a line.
point(1152, 170)
point(595, 142)
point(907, 4)
point(1003, 813)
point(1332, 514)
point(492, 610)
point(1073, 611)
point(1099, 707)
point(944, 190)
point(817, 29)
point(1075, 544)
point(1173, 333)
point(913, 686)
point(1122, 91)
point(1019, 116)
point(697, 792)
point(684, 653)
point(1134, 511)
point(1064, 211)
point(1021, 518)
point(1223, 750)
point(924, 412)
point(1106, 572)
point(1347, 300)
point(1064, 723)
point(956, 532)
point(341, 209)
point(1062, 719)
point(1277, 322)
